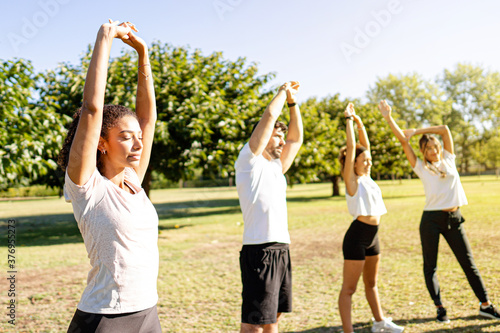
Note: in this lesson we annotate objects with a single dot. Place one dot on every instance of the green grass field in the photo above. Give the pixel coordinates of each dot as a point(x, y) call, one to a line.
point(200, 238)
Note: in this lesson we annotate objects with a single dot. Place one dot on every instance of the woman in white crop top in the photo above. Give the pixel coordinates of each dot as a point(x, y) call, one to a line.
point(105, 155)
point(361, 246)
point(443, 197)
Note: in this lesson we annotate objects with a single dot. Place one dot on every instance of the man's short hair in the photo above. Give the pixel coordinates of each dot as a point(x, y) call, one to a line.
point(277, 124)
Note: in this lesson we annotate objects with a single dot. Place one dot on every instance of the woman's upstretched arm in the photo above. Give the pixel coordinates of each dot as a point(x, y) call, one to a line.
point(145, 101)
point(386, 110)
point(83, 152)
point(351, 183)
point(441, 130)
point(363, 136)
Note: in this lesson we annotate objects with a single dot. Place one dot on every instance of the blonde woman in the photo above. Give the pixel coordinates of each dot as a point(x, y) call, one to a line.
point(444, 195)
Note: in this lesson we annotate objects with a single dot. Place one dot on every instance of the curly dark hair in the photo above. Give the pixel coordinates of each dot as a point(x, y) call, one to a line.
point(343, 152)
point(110, 117)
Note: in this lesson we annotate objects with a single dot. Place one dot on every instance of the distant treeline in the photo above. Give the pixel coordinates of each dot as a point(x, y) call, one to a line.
point(207, 106)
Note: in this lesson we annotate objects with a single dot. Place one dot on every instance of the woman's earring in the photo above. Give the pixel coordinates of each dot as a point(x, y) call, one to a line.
point(104, 152)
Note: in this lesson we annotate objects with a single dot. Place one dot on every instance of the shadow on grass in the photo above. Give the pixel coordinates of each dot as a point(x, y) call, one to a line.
point(366, 327)
point(50, 229)
point(358, 327)
point(55, 229)
point(309, 199)
point(392, 197)
point(469, 328)
point(196, 208)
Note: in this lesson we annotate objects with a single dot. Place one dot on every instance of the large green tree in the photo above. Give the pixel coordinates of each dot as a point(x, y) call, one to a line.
point(317, 159)
point(415, 100)
point(467, 99)
point(206, 105)
point(30, 134)
point(491, 149)
point(388, 158)
point(473, 97)
point(324, 136)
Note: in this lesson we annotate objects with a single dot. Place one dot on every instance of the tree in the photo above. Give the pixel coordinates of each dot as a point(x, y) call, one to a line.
point(413, 99)
point(324, 136)
point(474, 103)
point(491, 150)
point(30, 134)
point(206, 105)
point(388, 157)
point(318, 157)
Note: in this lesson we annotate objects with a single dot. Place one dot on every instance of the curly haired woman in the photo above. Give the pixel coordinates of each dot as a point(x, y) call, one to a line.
point(105, 156)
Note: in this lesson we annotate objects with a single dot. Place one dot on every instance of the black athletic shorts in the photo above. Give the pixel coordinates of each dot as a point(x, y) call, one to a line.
point(360, 241)
point(266, 274)
point(145, 321)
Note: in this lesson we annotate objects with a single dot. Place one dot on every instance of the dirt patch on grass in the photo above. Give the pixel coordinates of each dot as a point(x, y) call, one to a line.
point(307, 245)
point(48, 298)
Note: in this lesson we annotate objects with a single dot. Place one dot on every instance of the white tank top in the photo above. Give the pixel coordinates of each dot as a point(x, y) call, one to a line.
point(367, 201)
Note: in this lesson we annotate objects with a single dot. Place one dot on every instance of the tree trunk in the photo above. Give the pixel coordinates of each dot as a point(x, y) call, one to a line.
point(181, 183)
point(146, 183)
point(335, 186)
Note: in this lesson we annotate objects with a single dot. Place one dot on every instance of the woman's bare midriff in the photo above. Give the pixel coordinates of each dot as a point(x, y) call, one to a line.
point(372, 220)
point(450, 209)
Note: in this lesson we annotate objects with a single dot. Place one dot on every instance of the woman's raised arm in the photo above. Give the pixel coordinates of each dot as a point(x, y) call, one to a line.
point(145, 100)
point(441, 130)
point(350, 180)
point(82, 156)
point(386, 111)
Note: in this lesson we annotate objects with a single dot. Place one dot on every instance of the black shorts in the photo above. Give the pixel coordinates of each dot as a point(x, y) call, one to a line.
point(145, 321)
point(360, 241)
point(266, 274)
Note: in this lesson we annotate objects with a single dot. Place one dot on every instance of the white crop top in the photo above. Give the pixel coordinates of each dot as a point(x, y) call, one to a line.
point(367, 201)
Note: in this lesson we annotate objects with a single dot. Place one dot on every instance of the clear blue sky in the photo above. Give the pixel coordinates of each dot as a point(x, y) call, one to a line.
point(330, 46)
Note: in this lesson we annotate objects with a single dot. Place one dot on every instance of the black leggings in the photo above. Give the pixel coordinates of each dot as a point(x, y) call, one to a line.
point(145, 321)
point(449, 224)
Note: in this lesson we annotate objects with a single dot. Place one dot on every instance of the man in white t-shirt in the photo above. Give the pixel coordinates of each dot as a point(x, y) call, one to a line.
point(265, 259)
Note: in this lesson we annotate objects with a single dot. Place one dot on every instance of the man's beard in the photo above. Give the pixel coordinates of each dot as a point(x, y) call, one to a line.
point(276, 153)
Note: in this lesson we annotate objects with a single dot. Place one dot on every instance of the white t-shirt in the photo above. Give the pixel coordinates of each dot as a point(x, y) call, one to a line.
point(261, 189)
point(441, 192)
point(120, 231)
point(367, 201)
